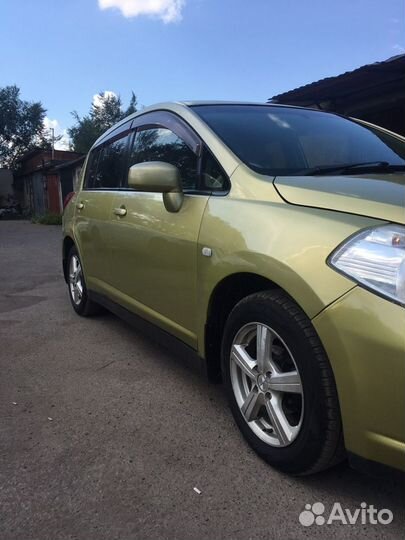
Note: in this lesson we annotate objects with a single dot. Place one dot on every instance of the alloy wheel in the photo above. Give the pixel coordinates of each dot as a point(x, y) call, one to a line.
point(75, 280)
point(267, 384)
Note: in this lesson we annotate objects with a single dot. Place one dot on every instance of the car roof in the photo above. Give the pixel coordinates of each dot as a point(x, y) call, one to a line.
point(195, 103)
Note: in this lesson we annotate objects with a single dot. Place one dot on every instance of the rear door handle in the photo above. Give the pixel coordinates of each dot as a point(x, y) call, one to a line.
point(80, 206)
point(122, 211)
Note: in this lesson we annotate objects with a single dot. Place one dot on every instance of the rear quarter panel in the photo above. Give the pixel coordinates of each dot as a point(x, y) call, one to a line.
point(68, 218)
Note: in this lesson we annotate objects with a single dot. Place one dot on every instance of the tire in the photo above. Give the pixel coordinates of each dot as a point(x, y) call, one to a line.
point(280, 385)
point(78, 293)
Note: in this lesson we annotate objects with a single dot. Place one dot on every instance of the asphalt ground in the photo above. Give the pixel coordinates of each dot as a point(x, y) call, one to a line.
point(105, 434)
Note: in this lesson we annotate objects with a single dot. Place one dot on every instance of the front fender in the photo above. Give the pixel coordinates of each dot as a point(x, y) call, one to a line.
point(285, 244)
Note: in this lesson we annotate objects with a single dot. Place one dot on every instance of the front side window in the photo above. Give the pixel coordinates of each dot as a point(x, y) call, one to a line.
point(107, 163)
point(213, 177)
point(161, 144)
point(275, 140)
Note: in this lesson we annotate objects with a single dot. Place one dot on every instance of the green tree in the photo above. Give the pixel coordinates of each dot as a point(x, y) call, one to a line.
point(106, 110)
point(83, 133)
point(132, 107)
point(21, 126)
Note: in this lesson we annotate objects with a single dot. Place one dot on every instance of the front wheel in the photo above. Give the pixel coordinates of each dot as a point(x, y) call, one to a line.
point(280, 384)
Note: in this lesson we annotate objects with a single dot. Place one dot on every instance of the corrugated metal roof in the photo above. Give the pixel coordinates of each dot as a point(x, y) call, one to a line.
point(369, 73)
point(72, 163)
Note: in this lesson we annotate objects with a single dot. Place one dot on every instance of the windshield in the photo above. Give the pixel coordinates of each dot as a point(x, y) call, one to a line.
point(282, 141)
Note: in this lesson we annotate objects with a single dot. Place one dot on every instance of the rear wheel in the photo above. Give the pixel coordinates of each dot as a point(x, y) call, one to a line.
point(280, 384)
point(77, 287)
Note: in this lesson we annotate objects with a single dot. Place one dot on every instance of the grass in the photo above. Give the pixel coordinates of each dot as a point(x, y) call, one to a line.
point(48, 219)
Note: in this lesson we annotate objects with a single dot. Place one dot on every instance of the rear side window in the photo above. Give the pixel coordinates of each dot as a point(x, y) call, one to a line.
point(91, 169)
point(107, 164)
point(161, 144)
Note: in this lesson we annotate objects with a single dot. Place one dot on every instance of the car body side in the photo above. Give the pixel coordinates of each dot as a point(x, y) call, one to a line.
point(259, 241)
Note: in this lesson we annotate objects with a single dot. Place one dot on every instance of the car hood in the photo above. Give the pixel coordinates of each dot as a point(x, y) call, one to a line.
point(377, 196)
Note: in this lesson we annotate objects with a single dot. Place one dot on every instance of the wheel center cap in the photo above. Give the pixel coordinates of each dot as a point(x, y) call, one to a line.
point(263, 382)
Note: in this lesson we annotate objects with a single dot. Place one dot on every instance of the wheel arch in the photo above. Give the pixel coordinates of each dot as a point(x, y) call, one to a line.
point(68, 243)
point(224, 297)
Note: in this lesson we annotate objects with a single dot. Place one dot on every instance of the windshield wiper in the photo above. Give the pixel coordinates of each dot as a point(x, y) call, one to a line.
point(344, 168)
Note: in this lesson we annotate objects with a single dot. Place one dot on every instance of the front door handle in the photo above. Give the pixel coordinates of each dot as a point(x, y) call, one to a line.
point(80, 206)
point(122, 211)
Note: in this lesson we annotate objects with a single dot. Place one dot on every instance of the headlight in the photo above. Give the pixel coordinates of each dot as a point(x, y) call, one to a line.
point(375, 259)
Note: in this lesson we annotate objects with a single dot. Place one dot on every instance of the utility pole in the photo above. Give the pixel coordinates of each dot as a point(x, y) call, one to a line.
point(53, 143)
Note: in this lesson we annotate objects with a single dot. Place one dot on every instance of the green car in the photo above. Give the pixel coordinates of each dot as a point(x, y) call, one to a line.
point(269, 242)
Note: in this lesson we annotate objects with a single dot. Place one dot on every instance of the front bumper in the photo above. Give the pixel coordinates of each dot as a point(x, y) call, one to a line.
point(364, 337)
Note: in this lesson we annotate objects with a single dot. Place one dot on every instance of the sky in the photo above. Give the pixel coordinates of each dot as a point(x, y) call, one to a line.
point(63, 52)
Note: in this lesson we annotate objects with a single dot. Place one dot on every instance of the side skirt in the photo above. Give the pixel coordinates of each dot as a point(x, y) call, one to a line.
point(163, 338)
point(377, 470)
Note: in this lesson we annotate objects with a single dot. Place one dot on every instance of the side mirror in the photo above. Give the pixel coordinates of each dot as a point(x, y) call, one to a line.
point(158, 177)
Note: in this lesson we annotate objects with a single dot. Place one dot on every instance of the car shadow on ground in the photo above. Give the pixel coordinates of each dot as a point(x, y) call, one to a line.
point(341, 481)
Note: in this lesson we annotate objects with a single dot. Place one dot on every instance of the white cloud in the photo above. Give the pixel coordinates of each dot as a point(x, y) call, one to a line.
point(398, 48)
point(167, 10)
point(96, 98)
point(63, 143)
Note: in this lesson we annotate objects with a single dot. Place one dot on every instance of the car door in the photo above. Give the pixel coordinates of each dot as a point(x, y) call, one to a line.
point(153, 251)
point(103, 178)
